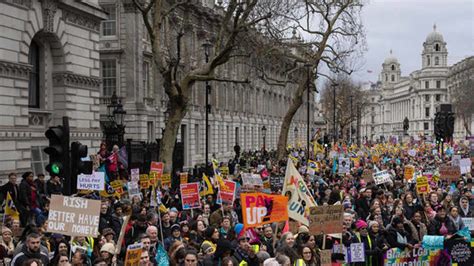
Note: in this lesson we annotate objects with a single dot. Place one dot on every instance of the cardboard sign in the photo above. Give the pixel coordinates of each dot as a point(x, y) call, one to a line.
point(252, 180)
point(135, 175)
point(259, 209)
point(95, 181)
point(449, 172)
point(166, 180)
point(382, 177)
point(326, 257)
point(326, 219)
point(144, 181)
point(190, 195)
point(276, 183)
point(134, 252)
point(183, 178)
point(74, 216)
point(118, 187)
point(226, 192)
point(368, 175)
point(409, 171)
point(422, 185)
point(469, 223)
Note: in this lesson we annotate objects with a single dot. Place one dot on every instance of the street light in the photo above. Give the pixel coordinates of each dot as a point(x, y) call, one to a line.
point(207, 50)
point(114, 128)
point(264, 134)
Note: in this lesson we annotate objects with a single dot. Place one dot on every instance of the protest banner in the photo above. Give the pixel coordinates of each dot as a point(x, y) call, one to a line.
point(183, 177)
point(226, 192)
point(344, 165)
point(356, 162)
point(95, 181)
point(135, 174)
point(276, 183)
point(416, 256)
point(465, 165)
point(460, 251)
point(251, 180)
point(144, 181)
point(326, 219)
point(449, 173)
point(422, 185)
point(299, 196)
point(133, 189)
point(134, 252)
point(157, 167)
point(190, 196)
point(356, 253)
point(368, 175)
point(152, 179)
point(206, 186)
point(382, 177)
point(469, 222)
point(73, 216)
point(166, 180)
point(259, 209)
point(409, 171)
point(325, 257)
point(117, 185)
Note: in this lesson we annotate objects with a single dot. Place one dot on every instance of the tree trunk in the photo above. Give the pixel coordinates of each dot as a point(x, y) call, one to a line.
point(466, 125)
point(285, 126)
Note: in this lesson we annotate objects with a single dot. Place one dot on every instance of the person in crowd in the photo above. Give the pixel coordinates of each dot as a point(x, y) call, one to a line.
point(7, 243)
point(244, 252)
point(145, 259)
point(31, 250)
point(397, 237)
point(10, 187)
point(363, 203)
point(175, 236)
point(420, 229)
point(211, 237)
point(79, 258)
point(465, 210)
point(28, 199)
point(54, 186)
point(267, 239)
point(441, 225)
point(308, 256)
point(61, 259)
point(138, 228)
point(455, 218)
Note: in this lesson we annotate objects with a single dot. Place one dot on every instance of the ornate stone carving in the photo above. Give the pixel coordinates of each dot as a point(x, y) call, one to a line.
point(15, 70)
point(75, 80)
point(49, 11)
point(81, 20)
point(21, 3)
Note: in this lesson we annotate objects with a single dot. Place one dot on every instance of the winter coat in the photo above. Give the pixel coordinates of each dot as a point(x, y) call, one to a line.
point(392, 238)
point(436, 224)
point(26, 254)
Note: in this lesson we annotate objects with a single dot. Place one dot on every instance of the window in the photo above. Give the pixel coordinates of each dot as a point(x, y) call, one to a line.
point(39, 160)
point(386, 77)
point(438, 97)
point(34, 83)
point(393, 77)
point(109, 76)
point(146, 79)
point(437, 47)
point(393, 67)
point(197, 147)
point(427, 98)
point(373, 99)
point(438, 84)
point(373, 109)
point(227, 140)
point(427, 84)
point(150, 131)
point(373, 119)
point(427, 112)
point(428, 60)
point(426, 126)
point(436, 61)
point(109, 25)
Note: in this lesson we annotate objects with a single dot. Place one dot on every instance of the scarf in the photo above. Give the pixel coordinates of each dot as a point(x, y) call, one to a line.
point(456, 221)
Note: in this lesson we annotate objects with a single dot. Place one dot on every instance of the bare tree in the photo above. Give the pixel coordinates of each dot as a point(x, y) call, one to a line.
point(168, 23)
point(462, 103)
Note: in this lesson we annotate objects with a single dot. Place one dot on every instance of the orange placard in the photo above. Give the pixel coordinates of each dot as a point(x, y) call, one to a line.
point(409, 171)
point(157, 168)
point(183, 178)
point(259, 209)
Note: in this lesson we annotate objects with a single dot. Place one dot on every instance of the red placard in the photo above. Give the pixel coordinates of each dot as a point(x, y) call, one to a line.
point(190, 196)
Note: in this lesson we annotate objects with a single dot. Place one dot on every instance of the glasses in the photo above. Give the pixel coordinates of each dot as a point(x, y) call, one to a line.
point(144, 257)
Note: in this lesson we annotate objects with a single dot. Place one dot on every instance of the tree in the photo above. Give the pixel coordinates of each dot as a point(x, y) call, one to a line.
point(168, 23)
point(333, 36)
point(462, 103)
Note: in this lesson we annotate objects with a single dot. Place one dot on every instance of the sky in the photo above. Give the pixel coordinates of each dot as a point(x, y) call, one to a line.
point(402, 25)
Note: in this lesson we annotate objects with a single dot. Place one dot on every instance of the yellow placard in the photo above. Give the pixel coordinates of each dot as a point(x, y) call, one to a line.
point(166, 179)
point(144, 184)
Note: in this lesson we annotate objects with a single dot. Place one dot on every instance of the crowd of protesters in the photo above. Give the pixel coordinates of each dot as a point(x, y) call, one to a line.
point(380, 216)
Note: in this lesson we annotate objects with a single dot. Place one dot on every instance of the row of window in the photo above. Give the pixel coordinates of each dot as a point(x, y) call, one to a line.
point(438, 84)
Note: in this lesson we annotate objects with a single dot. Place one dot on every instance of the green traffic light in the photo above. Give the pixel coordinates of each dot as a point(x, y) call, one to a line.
point(55, 168)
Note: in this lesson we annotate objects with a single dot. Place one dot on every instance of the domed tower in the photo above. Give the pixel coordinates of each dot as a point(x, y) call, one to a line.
point(390, 70)
point(434, 53)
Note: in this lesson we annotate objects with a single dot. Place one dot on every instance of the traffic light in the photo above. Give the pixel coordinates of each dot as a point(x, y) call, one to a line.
point(58, 151)
point(78, 151)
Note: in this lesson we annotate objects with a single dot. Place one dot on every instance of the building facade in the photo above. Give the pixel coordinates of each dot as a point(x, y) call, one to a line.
point(239, 111)
point(416, 97)
point(49, 68)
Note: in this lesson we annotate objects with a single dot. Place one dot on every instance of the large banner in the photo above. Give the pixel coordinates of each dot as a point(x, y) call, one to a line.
point(326, 219)
point(449, 173)
point(416, 256)
point(226, 192)
point(95, 181)
point(252, 180)
point(259, 209)
point(299, 197)
point(190, 195)
point(74, 216)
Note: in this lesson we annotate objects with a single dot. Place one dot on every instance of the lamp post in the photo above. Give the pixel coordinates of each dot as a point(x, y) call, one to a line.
point(296, 135)
point(264, 134)
point(207, 50)
point(334, 110)
point(114, 128)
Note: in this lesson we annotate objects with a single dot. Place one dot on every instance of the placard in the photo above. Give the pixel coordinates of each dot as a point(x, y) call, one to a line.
point(226, 192)
point(117, 185)
point(412, 153)
point(251, 180)
point(259, 209)
point(344, 165)
point(450, 173)
point(144, 181)
point(134, 252)
point(73, 216)
point(422, 185)
point(95, 181)
point(357, 253)
point(469, 223)
point(276, 183)
point(465, 165)
point(409, 171)
point(133, 189)
point(325, 257)
point(382, 177)
point(166, 180)
point(183, 177)
point(326, 219)
point(368, 175)
point(135, 174)
point(157, 167)
point(190, 196)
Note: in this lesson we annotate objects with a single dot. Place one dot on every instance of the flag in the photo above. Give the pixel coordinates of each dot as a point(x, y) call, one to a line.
point(286, 228)
point(123, 157)
point(161, 256)
point(206, 186)
point(113, 159)
point(299, 196)
point(334, 165)
point(10, 208)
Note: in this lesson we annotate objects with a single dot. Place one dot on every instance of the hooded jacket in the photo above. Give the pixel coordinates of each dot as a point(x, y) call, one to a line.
point(27, 254)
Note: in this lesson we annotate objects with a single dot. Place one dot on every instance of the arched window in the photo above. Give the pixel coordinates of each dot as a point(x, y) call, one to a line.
point(436, 61)
point(393, 77)
point(393, 67)
point(34, 83)
point(437, 47)
point(428, 60)
point(386, 77)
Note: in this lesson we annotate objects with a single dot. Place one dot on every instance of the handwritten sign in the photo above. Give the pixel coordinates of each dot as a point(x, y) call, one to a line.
point(95, 181)
point(382, 177)
point(276, 183)
point(409, 171)
point(190, 196)
point(465, 165)
point(135, 174)
point(449, 172)
point(252, 180)
point(326, 257)
point(74, 216)
point(326, 219)
point(259, 209)
point(356, 252)
point(133, 189)
point(134, 252)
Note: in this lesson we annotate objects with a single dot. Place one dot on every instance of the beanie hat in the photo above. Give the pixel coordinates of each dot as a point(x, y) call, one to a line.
point(303, 229)
point(360, 224)
point(372, 223)
point(396, 220)
point(175, 227)
point(108, 247)
point(6, 229)
point(206, 248)
point(238, 228)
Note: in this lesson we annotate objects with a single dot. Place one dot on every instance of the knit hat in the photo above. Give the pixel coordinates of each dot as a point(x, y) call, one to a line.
point(372, 223)
point(108, 231)
point(206, 248)
point(238, 228)
point(303, 229)
point(108, 247)
point(6, 229)
point(360, 224)
point(175, 227)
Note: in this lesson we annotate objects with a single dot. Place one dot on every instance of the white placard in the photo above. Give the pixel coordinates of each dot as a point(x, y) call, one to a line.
point(95, 181)
point(456, 160)
point(357, 252)
point(469, 223)
point(133, 189)
point(135, 174)
point(344, 166)
point(465, 165)
point(412, 153)
point(381, 177)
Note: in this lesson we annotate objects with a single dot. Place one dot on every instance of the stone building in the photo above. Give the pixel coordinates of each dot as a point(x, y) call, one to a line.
point(239, 111)
point(417, 96)
point(49, 68)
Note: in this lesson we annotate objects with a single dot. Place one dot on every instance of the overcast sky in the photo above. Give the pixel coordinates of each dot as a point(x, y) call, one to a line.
point(402, 25)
